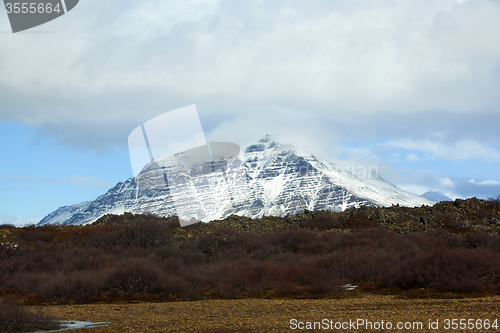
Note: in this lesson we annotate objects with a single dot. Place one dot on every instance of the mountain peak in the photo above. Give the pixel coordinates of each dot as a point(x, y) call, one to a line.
point(267, 138)
point(263, 144)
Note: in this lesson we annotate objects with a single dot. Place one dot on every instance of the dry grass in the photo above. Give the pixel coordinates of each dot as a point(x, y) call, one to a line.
point(261, 315)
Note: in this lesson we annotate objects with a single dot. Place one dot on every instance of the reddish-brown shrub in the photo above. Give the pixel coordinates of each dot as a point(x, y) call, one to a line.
point(477, 239)
point(179, 287)
point(63, 288)
point(15, 318)
point(33, 234)
point(462, 270)
point(132, 277)
point(295, 240)
point(321, 222)
point(359, 222)
point(145, 234)
point(141, 259)
point(218, 242)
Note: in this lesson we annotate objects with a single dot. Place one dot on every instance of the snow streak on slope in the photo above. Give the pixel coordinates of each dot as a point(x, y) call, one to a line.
point(280, 179)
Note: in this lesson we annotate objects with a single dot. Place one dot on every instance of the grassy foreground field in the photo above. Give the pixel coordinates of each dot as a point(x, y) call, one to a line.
point(270, 315)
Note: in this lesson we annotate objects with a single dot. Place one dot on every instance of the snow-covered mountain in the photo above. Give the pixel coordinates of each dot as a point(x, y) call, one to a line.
point(277, 180)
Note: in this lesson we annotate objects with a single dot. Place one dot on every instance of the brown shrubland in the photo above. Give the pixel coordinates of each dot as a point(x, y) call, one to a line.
point(143, 257)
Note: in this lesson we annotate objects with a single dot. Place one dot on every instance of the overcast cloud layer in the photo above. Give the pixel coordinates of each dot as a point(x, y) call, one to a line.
point(115, 64)
point(418, 77)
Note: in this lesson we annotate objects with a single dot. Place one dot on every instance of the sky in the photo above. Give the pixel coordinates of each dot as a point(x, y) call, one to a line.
point(411, 87)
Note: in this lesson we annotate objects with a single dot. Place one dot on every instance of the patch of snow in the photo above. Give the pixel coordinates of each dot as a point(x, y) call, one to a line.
point(73, 325)
point(349, 286)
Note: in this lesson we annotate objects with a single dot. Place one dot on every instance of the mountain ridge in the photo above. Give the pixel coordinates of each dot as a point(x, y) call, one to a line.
point(280, 180)
point(435, 196)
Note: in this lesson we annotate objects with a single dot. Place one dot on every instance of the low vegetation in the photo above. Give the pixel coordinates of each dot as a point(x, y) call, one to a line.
point(452, 248)
point(15, 318)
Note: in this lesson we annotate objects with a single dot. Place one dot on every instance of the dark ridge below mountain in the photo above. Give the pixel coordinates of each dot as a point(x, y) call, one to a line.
point(459, 216)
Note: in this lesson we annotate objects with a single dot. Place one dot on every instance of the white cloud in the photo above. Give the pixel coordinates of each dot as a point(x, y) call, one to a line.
point(412, 158)
point(394, 158)
point(434, 187)
point(79, 180)
point(446, 182)
point(83, 181)
point(421, 181)
point(18, 222)
point(485, 182)
point(116, 65)
point(461, 150)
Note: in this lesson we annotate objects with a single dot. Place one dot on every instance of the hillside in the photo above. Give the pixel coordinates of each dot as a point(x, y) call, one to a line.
point(457, 217)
